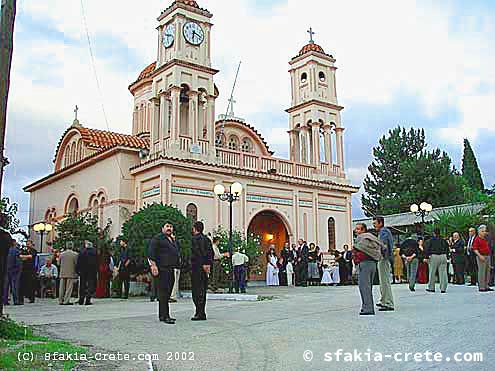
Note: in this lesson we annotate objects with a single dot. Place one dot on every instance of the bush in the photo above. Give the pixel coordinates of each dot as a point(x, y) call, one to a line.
point(148, 222)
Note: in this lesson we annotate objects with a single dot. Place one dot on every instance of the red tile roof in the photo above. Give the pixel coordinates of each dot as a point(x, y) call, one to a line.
point(311, 47)
point(147, 72)
point(188, 2)
point(101, 139)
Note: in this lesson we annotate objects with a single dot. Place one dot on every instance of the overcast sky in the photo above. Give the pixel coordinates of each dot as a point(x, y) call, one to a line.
point(427, 64)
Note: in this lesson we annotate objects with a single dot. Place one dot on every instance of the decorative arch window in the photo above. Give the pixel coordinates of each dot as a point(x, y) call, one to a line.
point(321, 76)
point(234, 143)
point(72, 205)
point(192, 212)
point(73, 153)
point(331, 233)
point(304, 77)
point(247, 145)
point(80, 150)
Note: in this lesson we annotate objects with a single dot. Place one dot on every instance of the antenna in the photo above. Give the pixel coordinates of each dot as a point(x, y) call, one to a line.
point(231, 99)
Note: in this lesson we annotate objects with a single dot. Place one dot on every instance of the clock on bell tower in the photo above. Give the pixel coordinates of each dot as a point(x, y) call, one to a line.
point(175, 96)
point(184, 33)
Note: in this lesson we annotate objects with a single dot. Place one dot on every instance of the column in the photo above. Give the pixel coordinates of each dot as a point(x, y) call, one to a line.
point(155, 124)
point(304, 145)
point(163, 117)
point(134, 121)
point(327, 138)
point(293, 148)
point(340, 147)
point(175, 122)
point(315, 132)
point(297, 145)
point(210, 124)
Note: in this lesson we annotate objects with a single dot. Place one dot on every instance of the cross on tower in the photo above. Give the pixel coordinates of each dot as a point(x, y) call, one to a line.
point(311, 33)
point(231, 106)
point(75, 112)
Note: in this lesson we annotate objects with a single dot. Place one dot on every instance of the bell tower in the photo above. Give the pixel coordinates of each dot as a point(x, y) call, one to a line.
point(179, 88)
point(316, 133)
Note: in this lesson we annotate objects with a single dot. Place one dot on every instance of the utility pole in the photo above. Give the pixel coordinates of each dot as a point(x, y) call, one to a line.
point(7, 16)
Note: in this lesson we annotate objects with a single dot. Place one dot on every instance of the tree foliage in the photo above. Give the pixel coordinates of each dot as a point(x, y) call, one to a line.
point(148, 222)
point(470, 169)
point(456, 220)
point(76, 228)
point(10, 211)
point(403, 172)
point(249, 245)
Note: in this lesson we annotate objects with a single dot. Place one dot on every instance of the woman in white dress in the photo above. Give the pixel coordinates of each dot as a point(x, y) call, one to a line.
point(271, 268)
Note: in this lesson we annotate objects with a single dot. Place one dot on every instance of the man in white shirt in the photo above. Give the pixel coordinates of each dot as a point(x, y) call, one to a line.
point(48, 274)
point(239, 261)
point(216, 269)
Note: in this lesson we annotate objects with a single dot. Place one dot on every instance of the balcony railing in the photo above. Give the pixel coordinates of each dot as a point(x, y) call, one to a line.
point(274, 165)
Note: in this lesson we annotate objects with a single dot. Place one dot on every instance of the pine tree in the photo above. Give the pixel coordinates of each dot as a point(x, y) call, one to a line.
point(470, 169)
point(403, 172)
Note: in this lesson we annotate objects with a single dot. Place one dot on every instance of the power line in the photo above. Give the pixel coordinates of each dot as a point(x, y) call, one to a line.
point(93, 65)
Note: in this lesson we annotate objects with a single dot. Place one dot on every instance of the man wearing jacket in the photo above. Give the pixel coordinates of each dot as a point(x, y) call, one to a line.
point(201, 261)
point(164, 257)
point(87, 268)
point(384, 267)
point(436, 250)
point(365, 254)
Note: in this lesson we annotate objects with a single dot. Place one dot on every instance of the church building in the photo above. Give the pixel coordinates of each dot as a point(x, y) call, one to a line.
point(179, 150)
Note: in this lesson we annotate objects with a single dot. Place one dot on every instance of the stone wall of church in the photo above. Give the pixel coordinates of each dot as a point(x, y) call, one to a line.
point(304, 211)
point(108, 180)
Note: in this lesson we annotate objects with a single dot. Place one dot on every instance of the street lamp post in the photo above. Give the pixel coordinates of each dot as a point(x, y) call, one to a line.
point(41, 228)
point(422, 210)
point(232, 195)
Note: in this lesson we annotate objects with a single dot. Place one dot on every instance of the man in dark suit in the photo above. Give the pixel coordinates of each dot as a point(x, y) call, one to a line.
point(164, 258)
point(201, 261)
point(303, 263)
point(87, 269)
point(347, 255)
point(472, 265)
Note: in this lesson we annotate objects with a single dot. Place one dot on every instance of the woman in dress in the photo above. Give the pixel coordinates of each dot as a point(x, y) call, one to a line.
point(423, 265)
point(104, 276)
point(458, 258)
point(271, 267)
point(282, 270)
point(398, 265)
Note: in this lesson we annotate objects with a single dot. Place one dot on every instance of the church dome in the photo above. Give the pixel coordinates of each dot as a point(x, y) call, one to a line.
point(311, 47)
point(188, 2)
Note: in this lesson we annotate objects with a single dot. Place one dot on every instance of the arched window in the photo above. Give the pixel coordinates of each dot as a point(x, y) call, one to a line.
point(73, 206)
point(233, 143)
point(247, 145)
point(322, 76)
point(184, 110)
point(80, 150)
point(331, 233)
point(192, 212)
point(304, 77)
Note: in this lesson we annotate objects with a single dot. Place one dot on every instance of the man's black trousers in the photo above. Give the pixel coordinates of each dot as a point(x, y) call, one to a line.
point(166, 280)
point(199, 287)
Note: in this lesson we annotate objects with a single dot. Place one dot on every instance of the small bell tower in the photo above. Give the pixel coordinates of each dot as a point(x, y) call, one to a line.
point(315, 130)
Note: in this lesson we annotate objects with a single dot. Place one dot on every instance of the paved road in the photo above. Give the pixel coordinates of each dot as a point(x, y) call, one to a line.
point(273, 335)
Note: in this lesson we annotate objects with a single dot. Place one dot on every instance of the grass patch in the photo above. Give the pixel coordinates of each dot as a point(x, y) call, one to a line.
point(21, 349)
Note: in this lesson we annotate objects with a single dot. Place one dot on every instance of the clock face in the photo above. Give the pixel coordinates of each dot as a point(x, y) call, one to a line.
point(169, 36)
point(193, 33)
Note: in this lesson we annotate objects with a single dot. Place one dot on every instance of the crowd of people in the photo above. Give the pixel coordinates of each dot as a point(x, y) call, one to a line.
point(302, 265)
point(374, 257)
point(431, 257)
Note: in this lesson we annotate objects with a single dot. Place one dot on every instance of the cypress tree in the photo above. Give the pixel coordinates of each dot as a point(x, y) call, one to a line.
point(470, 169)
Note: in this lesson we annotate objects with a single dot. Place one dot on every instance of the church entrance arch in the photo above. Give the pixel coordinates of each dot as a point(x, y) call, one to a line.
point(272, 229)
